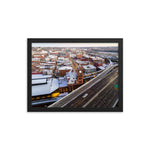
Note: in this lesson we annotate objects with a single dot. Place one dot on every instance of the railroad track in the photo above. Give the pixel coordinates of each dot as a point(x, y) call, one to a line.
point(75, 100)
point(96, 101)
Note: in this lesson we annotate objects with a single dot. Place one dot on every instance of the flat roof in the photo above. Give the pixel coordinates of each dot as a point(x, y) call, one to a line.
point(38, 81)
point(65, 68)
point(82, 62)
point(101, 67)
point(40, 76)
point(89, 67)
point(43, 89)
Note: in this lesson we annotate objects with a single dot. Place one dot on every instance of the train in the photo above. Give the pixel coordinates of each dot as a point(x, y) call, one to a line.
point(46, 96)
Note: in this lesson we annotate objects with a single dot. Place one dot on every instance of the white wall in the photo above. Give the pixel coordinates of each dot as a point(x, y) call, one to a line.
point(20, 20)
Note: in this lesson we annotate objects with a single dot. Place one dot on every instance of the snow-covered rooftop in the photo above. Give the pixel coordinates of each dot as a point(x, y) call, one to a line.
point(51, 86)
point(36, 59)
point(87, 56)
point(89, 67)
point(44, 51)
point(67, 64)
point(65, 68)
point(62, 82)
point(72, 75)
point(51, 62)
point(52, 56)
point(39, 81)
point(101, 67)
point(98, 58)
point(82, 62)
point(72, 55)
point(40, 76)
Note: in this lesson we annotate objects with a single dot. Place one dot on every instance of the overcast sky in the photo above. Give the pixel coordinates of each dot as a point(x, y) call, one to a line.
point(74, 44)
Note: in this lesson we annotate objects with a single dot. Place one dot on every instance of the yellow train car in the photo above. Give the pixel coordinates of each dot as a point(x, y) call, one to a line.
point(55, 94)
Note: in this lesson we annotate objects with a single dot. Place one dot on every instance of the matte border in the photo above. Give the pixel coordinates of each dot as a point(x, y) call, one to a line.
point(73, 40)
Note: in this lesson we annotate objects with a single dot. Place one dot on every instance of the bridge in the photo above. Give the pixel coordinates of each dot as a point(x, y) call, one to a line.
point(99, 92)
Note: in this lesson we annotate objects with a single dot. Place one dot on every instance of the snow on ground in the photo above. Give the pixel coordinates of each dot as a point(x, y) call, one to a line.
point(51, 86)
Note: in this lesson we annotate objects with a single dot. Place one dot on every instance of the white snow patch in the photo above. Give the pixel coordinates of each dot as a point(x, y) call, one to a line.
point(65, 68)
point(38, 76)
point(62, 82)
point(51, 86)
point(102, 68)
point(39, 81)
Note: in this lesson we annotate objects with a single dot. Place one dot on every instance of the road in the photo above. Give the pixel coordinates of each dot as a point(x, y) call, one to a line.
point(100, 92)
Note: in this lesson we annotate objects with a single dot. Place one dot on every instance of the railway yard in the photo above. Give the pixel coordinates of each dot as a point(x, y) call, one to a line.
point(100, 93)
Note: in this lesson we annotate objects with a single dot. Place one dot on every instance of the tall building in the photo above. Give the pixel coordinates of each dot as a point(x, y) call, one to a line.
point(80, 75)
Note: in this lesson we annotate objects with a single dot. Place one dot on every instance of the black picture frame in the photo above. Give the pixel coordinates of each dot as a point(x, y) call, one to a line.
point(73, 40)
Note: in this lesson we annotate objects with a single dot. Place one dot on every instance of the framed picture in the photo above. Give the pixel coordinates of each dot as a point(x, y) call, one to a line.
point(75, 75)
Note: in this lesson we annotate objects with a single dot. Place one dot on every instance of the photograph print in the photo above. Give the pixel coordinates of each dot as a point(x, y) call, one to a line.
point(75, 75)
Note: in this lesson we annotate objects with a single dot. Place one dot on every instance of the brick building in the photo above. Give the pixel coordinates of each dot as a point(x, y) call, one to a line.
point(80, 75)
point(62, 70)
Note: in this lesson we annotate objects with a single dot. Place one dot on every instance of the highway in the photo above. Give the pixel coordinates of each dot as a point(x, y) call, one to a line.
point(100, 92)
